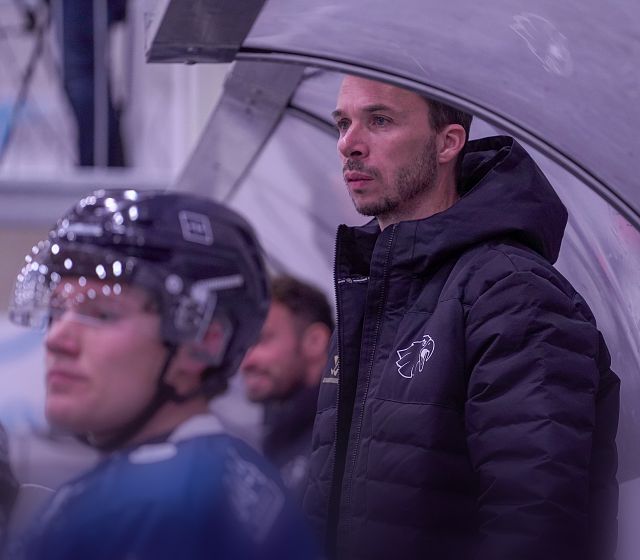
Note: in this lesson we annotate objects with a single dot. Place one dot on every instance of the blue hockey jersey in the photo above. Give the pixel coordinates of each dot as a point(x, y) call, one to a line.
point(198, 494)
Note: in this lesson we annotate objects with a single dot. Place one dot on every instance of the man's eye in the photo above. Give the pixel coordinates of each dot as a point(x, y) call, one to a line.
point(106, 316)
point(56, 311)
point(379, 121)
point(96, 314)
point(342, 125)
point(103, 314)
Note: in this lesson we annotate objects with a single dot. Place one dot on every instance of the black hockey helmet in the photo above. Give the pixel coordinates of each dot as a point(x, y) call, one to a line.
point(196, 257)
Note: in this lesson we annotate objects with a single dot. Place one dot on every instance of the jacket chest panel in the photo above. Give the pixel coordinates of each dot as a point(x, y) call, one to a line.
point(421, 358)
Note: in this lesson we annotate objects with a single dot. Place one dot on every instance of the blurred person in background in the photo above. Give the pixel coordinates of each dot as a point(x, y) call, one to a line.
point(150, 301)
point(283, 371)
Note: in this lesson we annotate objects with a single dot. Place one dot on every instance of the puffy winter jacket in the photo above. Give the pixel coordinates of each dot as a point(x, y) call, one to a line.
point(469, 409)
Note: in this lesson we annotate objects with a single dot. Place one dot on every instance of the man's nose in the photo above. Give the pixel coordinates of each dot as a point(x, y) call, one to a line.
point(63, 334)
point(352, 144)
point(248, 362)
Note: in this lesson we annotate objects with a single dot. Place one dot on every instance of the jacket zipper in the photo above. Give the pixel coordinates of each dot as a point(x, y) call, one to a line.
point(376, 333)
point(329, 536)
point(333, 507)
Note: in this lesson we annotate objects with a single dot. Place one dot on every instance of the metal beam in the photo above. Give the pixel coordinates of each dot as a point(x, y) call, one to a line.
point(255, 97)
point(39, 201)
point(199, 30)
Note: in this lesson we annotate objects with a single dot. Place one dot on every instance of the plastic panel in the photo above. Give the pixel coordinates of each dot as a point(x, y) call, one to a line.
point(565, 72)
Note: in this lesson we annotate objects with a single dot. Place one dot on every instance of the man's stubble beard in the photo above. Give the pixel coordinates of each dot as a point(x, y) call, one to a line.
point(415, 179)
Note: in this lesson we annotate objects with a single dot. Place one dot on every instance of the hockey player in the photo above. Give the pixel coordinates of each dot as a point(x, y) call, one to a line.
point(150, 301)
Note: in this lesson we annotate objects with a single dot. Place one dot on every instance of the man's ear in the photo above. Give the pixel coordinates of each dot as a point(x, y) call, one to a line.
point(315, 340)
point(451, 140)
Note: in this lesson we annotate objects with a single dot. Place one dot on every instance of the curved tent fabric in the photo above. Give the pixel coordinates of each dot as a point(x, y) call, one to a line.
point(563, 74)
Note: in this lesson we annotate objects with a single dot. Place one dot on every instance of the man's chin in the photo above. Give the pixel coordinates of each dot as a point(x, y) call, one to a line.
point(63, 418)
point(374, 209)
point(256, 394)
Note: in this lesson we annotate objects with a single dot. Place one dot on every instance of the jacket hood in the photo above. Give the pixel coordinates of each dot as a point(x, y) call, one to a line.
point(507, 197)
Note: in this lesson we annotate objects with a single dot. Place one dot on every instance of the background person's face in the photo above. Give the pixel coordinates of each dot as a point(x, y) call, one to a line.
point(386, 144)
point(101, 373)
point(275, 364)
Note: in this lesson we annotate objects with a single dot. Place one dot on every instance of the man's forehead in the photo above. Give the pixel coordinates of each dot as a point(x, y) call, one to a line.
point(281, 318)
point(280, 313)
point(362, 94)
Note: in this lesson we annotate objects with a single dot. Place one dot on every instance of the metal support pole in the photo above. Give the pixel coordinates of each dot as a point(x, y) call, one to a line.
point(100, 84)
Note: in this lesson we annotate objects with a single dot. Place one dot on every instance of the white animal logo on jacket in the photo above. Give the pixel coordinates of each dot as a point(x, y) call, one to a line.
point(411, 360)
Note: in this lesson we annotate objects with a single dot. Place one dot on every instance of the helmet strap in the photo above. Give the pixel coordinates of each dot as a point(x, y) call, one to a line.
point(163, 394)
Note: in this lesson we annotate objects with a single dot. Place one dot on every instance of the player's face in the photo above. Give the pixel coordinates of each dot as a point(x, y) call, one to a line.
point(103, 355)
point(386, 145)
point(276, 363)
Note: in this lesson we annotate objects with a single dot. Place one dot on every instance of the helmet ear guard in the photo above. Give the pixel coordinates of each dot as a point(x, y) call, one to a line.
point(191, 313)
point(211, 348)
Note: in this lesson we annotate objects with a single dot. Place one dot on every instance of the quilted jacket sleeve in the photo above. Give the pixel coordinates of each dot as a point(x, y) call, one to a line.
point(537, 432)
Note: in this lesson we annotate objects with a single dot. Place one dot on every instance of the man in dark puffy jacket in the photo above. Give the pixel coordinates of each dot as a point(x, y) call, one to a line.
point(468, 410)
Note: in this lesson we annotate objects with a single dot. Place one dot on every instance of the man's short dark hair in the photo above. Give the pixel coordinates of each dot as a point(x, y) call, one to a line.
point(306, 302)
point(442, 115)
